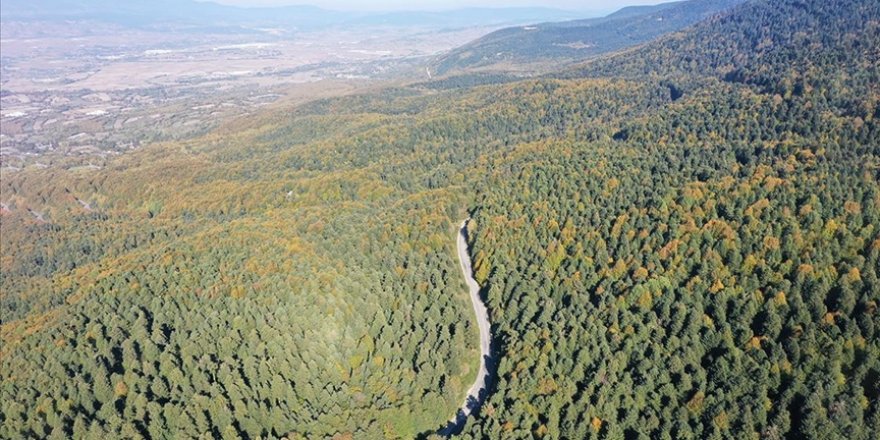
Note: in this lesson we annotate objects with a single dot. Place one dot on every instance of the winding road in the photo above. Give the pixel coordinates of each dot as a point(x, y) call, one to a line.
point(477, 393)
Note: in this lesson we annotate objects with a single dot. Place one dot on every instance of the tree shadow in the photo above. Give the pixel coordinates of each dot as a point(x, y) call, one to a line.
point(473, 403)
point(457, 424)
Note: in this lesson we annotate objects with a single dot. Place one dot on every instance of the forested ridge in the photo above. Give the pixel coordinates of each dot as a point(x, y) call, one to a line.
point(555, 44)
point(677, 241)
point(710, 272)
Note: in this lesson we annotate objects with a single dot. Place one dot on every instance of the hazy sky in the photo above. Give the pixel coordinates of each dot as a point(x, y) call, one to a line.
point(579, 5)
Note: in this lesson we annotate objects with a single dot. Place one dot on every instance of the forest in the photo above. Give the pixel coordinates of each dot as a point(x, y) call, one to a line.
point(546, 46)
point(680, 240)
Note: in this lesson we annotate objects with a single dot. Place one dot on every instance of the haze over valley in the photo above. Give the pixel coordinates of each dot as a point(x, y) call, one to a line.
point(88, 80)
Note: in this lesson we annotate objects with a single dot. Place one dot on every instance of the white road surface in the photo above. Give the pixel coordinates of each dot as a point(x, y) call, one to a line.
point(477, 392)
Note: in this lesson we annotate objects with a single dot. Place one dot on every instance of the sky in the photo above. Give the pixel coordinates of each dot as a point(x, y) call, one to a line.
point(381, 5)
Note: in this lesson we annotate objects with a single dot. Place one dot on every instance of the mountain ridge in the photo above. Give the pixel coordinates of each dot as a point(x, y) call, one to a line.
point(579, 39)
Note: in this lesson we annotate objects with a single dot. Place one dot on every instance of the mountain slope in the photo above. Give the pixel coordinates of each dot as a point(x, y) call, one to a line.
point(710, 270)
point(579, 39)
point(666, 251)
point(787, 48)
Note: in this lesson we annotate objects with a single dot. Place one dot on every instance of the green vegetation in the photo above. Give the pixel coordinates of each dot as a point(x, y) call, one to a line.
point(550, 44)
point(681, 241)
point(712, 270)
point(217, 291)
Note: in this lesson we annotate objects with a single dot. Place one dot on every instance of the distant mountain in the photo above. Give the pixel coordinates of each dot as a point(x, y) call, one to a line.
point(579, 39)
point(161, 13)
point(466, 17)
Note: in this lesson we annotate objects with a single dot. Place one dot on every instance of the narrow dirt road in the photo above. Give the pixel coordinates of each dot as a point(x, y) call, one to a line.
point(477, 394)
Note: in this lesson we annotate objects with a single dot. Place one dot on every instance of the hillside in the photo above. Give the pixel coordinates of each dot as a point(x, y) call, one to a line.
point(677, 241)
point(785, 49)
point(709, 269)
point(577, 40)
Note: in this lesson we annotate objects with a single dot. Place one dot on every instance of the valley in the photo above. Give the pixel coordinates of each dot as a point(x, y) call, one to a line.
point(85, 81)
point(91, 97)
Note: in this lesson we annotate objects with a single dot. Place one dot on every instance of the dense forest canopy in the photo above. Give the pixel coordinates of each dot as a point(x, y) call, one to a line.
point(677, 241)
